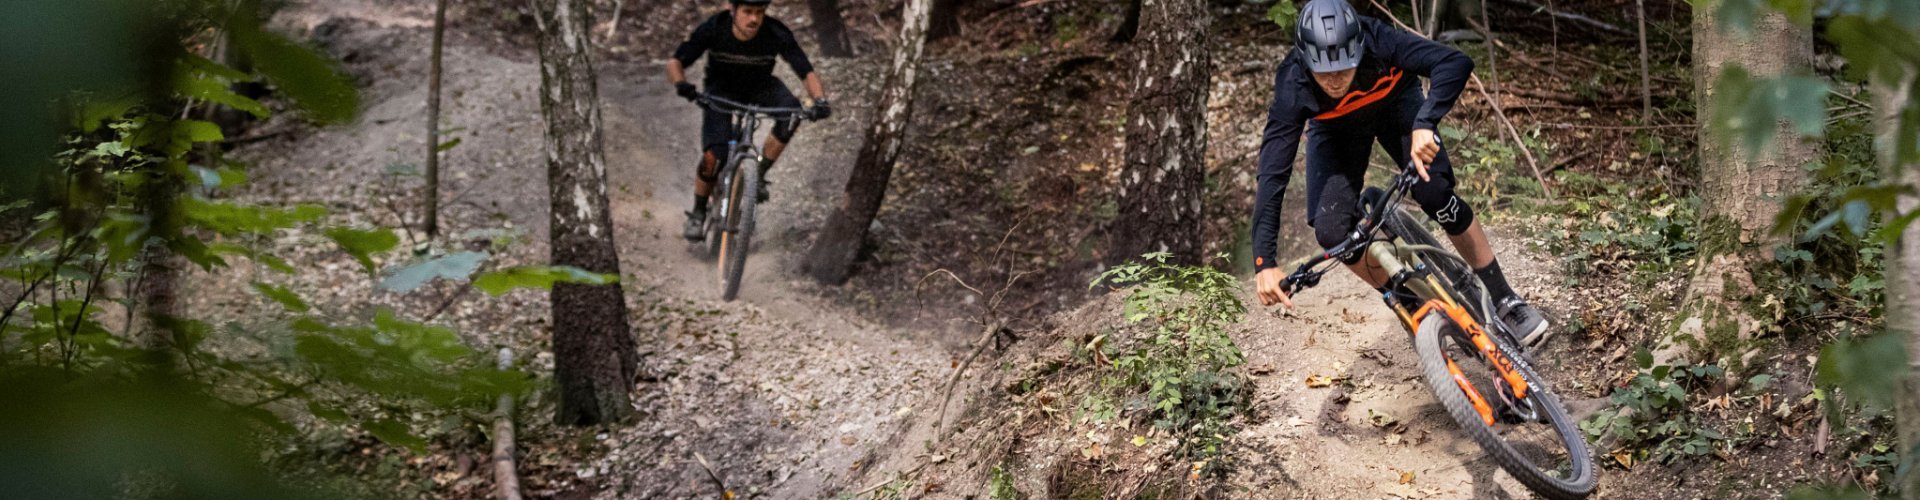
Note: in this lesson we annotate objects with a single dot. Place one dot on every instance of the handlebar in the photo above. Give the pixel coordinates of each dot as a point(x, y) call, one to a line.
point(724, 105)
point(1304, 276)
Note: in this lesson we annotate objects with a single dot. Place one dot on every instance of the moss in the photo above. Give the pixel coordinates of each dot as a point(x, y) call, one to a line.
point(1717, 235)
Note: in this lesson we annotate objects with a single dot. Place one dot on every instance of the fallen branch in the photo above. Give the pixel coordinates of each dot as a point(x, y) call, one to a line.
point(506, 483)
point(979, 346)
point(1566, 98)
point(614, 28)
point(1495, 104)
point(725, 494)
point(1577, 18)
point(1621, 127)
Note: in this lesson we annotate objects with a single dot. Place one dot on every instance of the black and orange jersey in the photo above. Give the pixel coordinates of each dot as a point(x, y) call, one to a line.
point(742, 66)
point(1386, 78)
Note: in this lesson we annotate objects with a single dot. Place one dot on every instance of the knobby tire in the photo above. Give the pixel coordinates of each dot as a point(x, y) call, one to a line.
point(1433, 362)
point(734, 244)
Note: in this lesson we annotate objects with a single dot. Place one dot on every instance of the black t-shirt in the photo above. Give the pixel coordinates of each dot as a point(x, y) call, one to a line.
point(736, 65)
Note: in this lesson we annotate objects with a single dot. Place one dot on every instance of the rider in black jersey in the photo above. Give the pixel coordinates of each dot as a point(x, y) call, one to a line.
point(741, 44)
point(1350, 82)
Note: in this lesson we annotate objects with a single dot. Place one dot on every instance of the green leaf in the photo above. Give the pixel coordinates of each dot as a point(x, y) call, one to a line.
point(363, 243)
point(186, 133)
point(281, 294)
point(327, 413)
point(302, 73)
point(397, 434)
point(1643, 358)
point(500, 282)
point(216, 89)
point(1750, 108)
point(231, 218)
point(1759, 382)
point(1868, 368)
point(221, 178)
point(1283, 13)
point(447, 145)
point(456, 267)
point(1829, 492)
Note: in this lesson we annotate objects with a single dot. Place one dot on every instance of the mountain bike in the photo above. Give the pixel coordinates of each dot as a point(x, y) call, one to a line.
point(730, 227)
point(1487, 384)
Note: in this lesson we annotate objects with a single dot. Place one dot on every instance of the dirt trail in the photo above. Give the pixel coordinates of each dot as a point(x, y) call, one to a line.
point(783, 393)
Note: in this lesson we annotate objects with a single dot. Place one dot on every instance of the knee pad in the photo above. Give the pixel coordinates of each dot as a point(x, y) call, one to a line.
point(709, 166)
point(784, 130)
point(1444, 207)
point(1331, 230)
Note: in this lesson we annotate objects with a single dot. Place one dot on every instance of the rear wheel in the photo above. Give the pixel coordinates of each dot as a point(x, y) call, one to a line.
point(736, 238)
point(1533, 439)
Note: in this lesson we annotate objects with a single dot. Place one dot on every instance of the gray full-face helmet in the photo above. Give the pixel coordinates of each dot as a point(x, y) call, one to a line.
point(1328, 36)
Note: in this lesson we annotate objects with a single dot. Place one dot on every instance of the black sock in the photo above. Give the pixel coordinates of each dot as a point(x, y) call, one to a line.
point(699, 203)
point(1495, 280)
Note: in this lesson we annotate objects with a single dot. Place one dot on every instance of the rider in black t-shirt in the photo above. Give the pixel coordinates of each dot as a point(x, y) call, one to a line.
point(741, 44)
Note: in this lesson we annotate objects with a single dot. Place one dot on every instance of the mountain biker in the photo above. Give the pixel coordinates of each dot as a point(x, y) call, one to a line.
point(1349, 82)
point(741, 44)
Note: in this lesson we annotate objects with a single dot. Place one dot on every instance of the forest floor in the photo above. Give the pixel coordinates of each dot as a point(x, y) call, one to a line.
point(801, 391)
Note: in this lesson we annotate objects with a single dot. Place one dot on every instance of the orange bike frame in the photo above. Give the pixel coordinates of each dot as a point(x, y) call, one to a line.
point(1480, 340)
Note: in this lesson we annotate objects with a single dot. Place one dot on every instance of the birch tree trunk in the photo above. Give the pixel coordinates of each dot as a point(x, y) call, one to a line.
point(831, 27)
point(593, 349)
point(1165, 169)
point(1902, 269)
point(1740, 192)
point(831, 259)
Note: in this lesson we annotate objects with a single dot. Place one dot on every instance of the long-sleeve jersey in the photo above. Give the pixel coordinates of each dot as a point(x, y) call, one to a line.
point(742, 65)
point(1380, 81)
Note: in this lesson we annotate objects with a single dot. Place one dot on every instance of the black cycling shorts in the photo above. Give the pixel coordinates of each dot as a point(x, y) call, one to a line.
point(715, 126)
point(1336, 160)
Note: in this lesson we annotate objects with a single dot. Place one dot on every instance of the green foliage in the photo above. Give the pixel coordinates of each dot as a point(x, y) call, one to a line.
point(1827, 282)
point(362, 244)
point(286, 298)
point(1650, 415)
point(1829, 492)
point(1488, 167)
point(1864, 368)
point(1180, 368)
point(500, 282)
point(1751, 109)
point(1284, 13)
point(1627, 225)
point(94, 411)
point(1000, 486)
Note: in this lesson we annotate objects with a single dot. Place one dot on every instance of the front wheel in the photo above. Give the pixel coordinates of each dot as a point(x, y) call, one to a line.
point(1533, 438)
point(737, 232)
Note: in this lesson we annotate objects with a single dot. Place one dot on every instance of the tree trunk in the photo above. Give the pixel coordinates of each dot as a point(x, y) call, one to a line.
point(433, 121)
point(1165, 169)
point(831, 259)
point(1902, 270)
point(944, 21)
point(1740, 192)
point(593, 349)
point(160, 266)
point(1130, 23)
point(830, 27)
